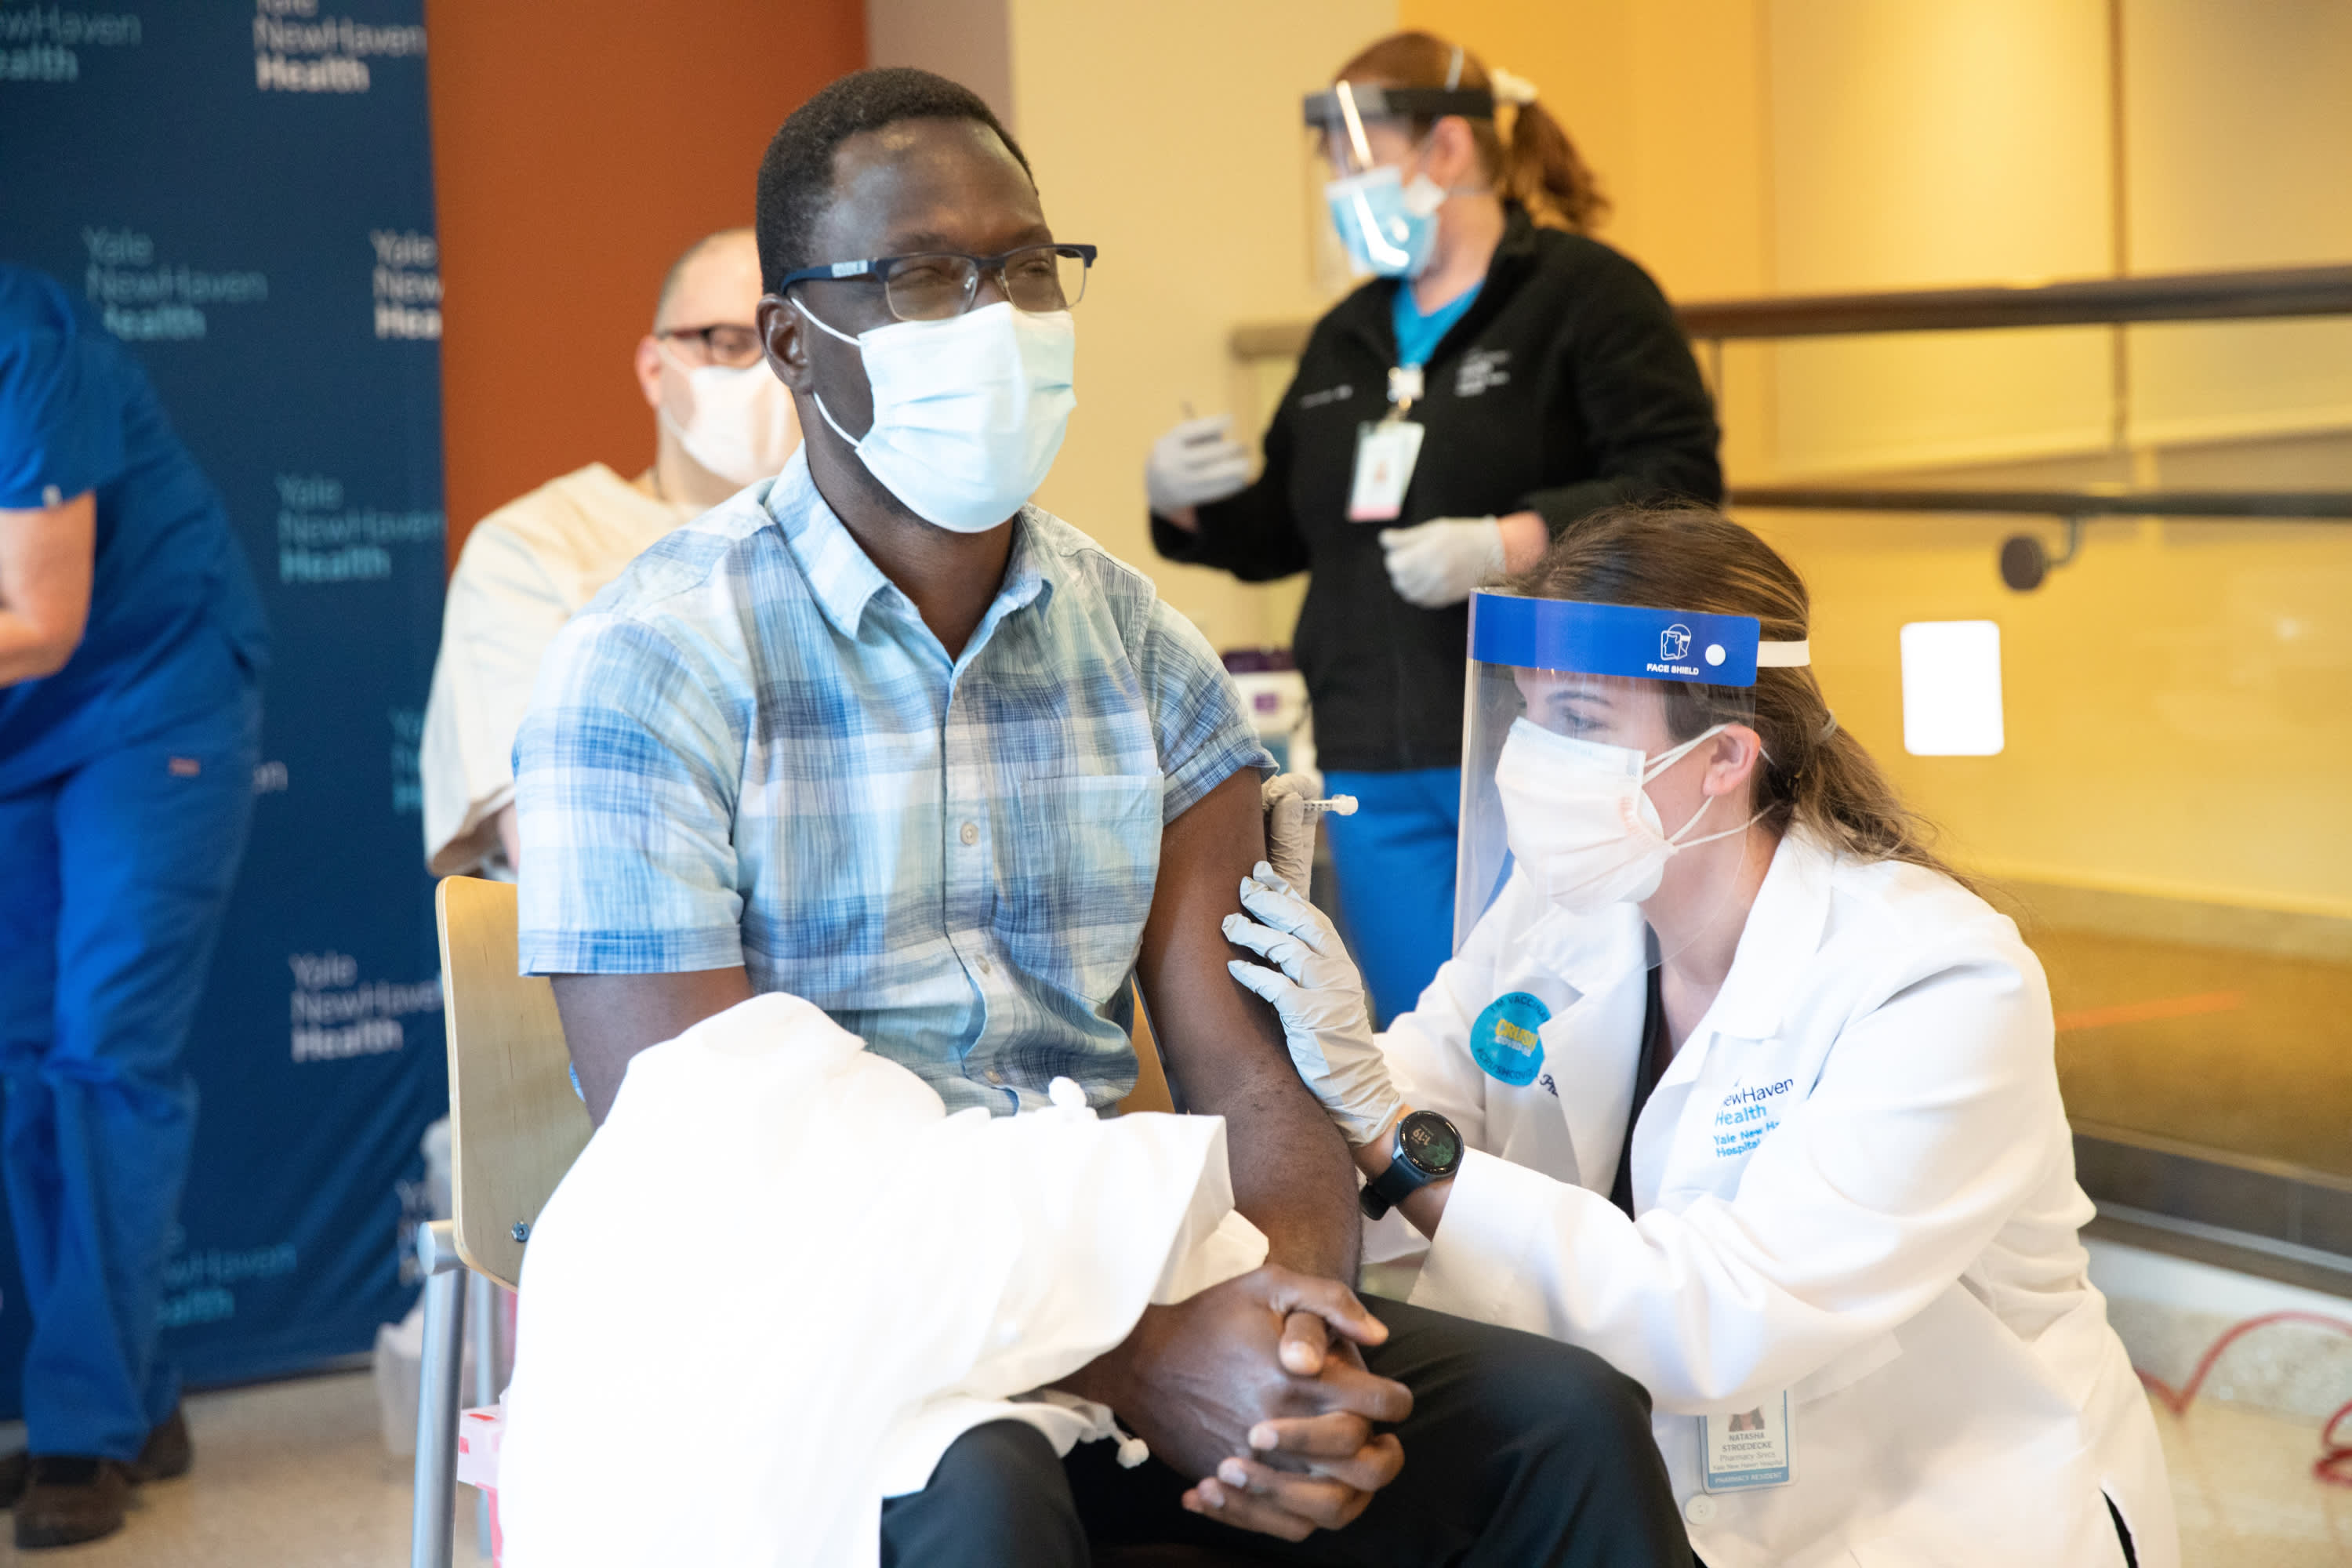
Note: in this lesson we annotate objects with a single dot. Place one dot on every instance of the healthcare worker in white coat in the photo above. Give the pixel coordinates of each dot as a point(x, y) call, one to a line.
point(1840, 1246)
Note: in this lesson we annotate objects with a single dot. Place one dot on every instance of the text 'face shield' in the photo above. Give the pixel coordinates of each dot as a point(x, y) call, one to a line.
point(1587, 746)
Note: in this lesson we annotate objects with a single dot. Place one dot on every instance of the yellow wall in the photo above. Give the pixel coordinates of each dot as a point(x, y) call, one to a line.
point(1171, 139)
point(2178, 720)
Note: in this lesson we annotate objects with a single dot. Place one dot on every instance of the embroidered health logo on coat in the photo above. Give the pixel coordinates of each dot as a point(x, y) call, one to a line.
point(1746, 1114)
point(1480, 369)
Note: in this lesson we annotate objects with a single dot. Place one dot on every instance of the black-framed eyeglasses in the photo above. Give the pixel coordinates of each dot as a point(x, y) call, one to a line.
point(725, 344)
point(936, 285)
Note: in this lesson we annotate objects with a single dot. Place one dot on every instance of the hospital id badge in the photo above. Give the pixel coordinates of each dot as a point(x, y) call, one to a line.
point(1746, 1449)
point(1385, 454)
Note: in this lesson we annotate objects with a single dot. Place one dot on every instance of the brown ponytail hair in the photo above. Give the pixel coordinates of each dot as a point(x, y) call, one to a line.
point(1538, 168)
point(1815, 775)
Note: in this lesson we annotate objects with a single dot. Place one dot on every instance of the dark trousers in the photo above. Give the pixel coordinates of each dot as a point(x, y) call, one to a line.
point(1520, 1453)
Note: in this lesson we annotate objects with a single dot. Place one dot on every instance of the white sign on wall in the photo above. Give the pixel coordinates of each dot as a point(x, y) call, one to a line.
point(1951, 689)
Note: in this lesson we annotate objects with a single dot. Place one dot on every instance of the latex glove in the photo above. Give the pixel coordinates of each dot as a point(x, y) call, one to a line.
point(1320, 998)
point(1197, 462)
point(1438, 563)
point(1290, 826)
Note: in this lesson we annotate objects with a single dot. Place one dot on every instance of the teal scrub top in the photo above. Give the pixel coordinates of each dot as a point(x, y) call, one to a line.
point(1416, 334)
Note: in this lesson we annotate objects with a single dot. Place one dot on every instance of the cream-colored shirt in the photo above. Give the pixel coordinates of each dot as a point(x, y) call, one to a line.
point(526, 569)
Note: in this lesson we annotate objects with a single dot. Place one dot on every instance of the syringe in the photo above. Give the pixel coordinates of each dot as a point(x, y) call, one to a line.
point(1338, 806)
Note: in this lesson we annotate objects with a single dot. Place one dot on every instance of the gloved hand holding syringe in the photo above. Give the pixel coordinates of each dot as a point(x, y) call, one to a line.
point(1292, 811)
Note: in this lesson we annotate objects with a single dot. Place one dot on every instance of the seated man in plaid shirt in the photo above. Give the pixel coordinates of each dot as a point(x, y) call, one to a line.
point(878, 733)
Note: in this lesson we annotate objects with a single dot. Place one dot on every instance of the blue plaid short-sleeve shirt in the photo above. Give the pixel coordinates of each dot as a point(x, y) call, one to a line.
point(750, 749)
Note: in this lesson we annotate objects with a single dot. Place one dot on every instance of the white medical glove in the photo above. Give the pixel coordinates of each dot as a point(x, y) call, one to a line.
point(1197, 462)
point(1290, 826)
point(1438, 563)
point(1320, 998)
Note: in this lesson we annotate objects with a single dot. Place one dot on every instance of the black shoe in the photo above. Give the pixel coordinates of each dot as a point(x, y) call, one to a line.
point(71, 1499)
point(167, 1451)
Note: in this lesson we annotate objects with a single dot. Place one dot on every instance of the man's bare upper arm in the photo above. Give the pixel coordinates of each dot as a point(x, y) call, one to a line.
point(608, 1018)
point(1292, 1174)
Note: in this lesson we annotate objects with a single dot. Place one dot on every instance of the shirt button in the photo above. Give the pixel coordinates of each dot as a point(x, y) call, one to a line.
point(971, 833)
point(985, 967)
point(1700, 1510)
point(995, 1076)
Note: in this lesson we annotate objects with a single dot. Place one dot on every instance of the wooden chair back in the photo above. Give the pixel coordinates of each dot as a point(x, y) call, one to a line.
point(515, 1123)
point(1150, 1091)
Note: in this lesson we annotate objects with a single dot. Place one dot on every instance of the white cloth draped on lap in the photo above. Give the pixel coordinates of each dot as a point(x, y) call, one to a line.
point(782, 1280)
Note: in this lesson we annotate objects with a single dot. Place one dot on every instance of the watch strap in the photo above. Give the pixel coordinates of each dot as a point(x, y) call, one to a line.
point(1391, 1186)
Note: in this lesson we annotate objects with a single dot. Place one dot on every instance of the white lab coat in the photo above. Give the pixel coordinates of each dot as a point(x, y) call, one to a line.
point(781, 1280)
point(527, 568)
point(1891, 1238)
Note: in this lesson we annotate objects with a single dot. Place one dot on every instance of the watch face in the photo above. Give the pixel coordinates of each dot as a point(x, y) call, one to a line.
point(1430, 1142)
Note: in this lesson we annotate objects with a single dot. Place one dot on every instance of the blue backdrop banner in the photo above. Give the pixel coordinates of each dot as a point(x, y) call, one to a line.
point(246, 196)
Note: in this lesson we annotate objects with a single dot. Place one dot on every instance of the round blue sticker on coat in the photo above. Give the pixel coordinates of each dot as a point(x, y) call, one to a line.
point(1504, 1040)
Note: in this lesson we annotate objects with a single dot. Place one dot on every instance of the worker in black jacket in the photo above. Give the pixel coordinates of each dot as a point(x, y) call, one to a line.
point(1503, 376)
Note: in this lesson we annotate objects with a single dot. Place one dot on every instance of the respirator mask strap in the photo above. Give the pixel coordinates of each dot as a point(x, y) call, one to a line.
point(818, 397)
point(1675, 840)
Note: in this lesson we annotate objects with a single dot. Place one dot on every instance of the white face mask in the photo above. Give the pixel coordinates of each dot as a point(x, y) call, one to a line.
point(969, 412)
point(742, 426)
point(1579, 822)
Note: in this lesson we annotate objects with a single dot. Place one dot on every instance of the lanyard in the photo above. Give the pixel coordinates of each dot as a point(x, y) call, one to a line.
point(1404, 389)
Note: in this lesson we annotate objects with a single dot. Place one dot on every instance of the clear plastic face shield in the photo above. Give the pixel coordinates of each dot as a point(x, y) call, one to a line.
point(1383, 207)
point(1609, 754)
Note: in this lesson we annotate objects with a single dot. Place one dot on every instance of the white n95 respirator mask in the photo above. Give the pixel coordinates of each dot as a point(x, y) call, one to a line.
point(1579, 822)
point(741, 427)
point(968, 411)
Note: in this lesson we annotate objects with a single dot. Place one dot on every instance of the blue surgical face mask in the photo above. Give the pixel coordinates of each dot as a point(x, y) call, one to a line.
point(1389, 227)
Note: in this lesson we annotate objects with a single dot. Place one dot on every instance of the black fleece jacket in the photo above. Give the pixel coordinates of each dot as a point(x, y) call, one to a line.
point(1565, 387)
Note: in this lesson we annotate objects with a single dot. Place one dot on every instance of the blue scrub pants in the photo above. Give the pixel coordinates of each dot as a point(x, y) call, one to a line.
point(1394, 864)
point(113, 877)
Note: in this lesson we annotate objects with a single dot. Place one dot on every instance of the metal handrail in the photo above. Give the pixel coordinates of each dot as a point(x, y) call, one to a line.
point(2169, 297)
point(2249, 504)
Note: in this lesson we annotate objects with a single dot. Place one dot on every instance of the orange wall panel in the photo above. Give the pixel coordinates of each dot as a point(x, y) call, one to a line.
point(577, 149)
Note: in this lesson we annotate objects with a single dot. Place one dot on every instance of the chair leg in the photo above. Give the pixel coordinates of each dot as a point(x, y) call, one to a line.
point(431, 1525)
point(482, 1316)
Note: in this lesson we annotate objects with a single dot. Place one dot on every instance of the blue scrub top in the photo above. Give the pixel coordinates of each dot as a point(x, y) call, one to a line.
point(176, 625)
point(1418, 335)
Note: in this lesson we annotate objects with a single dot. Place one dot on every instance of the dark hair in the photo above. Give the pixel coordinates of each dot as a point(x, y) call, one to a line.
point(1538, 168)
point(796, 173)
point(1689, 557)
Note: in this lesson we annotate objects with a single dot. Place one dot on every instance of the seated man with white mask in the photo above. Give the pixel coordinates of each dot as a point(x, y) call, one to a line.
point(881, 734)
point(721, 421)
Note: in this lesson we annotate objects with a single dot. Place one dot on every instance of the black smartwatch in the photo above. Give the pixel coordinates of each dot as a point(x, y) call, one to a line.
point(1425, 1148)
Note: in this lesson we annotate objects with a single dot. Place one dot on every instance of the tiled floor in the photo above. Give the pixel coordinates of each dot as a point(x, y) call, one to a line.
point(288, 1475)
point(2242, 1484)
point(293, 1475)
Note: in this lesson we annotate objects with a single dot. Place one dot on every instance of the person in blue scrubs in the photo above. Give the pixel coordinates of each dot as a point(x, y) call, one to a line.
point(1502, 376)
point(132, 647)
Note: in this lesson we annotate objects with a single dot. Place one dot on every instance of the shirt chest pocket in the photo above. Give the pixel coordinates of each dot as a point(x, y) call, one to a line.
point(1074, 877)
